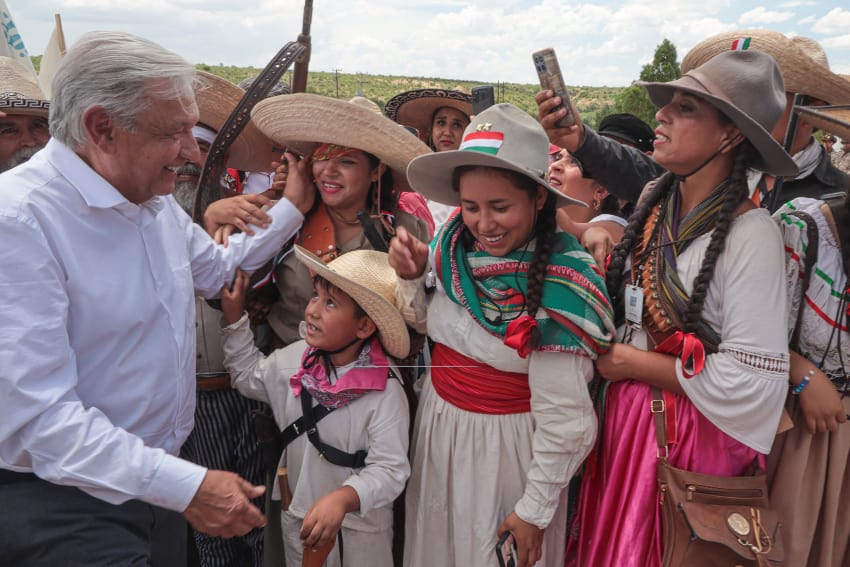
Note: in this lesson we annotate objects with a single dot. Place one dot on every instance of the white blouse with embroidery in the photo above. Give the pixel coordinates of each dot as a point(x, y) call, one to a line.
point(822, 340)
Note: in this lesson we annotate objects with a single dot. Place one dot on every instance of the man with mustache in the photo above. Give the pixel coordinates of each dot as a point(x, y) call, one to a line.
point(23, 115)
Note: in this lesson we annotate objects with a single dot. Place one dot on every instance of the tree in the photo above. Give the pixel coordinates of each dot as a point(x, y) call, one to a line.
point(664, 67)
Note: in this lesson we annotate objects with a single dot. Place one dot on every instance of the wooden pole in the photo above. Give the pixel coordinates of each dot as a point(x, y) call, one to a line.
point(60, 35)
point(299, 80)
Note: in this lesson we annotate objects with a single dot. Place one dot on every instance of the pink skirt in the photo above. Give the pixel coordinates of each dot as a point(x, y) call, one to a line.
point(618, 521)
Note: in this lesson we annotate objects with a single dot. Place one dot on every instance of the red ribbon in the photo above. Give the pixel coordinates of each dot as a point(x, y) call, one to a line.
point(518, 334)
point(688, 348)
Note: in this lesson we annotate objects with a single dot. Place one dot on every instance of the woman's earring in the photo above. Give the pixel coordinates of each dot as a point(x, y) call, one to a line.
point(597, 202)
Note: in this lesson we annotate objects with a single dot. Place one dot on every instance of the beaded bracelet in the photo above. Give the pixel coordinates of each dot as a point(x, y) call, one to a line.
point(799, 387)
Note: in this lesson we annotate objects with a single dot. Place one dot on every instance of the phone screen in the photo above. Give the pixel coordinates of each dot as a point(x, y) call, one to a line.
point(506, 550)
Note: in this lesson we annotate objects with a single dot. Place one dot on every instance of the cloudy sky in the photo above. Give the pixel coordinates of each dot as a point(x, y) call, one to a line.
point(599, 42)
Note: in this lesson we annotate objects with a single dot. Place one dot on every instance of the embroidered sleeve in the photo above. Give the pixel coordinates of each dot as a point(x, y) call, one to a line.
point(774, 364)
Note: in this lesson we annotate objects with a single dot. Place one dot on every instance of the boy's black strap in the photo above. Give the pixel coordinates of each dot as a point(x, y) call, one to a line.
point(331, 454)
point(297, 427)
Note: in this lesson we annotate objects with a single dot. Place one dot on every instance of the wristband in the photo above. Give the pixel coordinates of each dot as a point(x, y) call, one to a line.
point(799, 387)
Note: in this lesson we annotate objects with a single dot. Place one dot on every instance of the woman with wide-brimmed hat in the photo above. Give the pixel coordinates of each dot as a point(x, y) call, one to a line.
point(356, 160)
point(809, 466)
point(439, 117)
point(805, 71)
point(517, 315)
point(698, 277)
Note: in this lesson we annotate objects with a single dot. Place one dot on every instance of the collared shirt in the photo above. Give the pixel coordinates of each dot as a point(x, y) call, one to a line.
point(97, 337)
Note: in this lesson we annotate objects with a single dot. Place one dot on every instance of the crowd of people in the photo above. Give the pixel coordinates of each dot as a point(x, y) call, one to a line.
point(422, 336)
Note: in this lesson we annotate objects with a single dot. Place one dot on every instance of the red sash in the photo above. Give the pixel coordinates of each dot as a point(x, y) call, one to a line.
point(476, 387)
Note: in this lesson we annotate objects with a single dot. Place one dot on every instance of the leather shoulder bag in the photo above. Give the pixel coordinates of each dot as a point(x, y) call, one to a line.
point(713, 521)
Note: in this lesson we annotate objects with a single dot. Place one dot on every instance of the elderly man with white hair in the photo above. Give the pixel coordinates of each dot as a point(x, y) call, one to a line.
point(97, 339)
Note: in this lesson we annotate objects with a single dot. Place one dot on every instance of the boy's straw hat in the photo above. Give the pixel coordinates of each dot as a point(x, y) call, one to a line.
point(216, 98)
point(19, 92)
point(366, 276)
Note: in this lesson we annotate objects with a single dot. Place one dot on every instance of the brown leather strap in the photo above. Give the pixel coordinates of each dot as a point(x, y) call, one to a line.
point(214, 168)
point(213, 382)
point(659, 412)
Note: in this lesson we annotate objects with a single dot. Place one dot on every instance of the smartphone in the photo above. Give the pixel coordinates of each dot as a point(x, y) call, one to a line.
point(482, 98)
point(506, 550)
point(549, 73)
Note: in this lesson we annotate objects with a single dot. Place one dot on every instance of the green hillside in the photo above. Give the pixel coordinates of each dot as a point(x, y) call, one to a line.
point(380, 88)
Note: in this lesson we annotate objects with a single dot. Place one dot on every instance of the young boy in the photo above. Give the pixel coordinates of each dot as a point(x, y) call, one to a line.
point(351, 328)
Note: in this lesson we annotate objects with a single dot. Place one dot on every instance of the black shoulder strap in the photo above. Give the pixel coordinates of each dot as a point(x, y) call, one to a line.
point(331, 454)
point(297, 427)
point(808, 266)
point(318, 413)
point(838, 207)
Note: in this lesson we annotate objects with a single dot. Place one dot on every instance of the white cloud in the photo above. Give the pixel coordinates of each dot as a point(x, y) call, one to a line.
point(836, 21)
point(837, 42)
point(796, 4)
point(599, 42)
point(762, 15)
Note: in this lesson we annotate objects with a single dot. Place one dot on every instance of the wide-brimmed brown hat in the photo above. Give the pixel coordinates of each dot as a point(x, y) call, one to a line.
point(802, 61)
point(504, 137)
point(416, 108)
point(747, 88)
point(216, 98)
point(303, 121)
point(19, 92)
point(366, 276)
point(832, 119)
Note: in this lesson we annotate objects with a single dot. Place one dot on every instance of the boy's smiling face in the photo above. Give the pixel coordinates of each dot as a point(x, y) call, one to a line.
point(335, 322)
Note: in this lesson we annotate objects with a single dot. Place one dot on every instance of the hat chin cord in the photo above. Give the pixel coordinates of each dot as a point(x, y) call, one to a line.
point(681, 178)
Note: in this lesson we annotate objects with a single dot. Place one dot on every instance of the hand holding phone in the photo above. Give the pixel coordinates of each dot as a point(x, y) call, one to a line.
point(549, 73)
point(506, 551)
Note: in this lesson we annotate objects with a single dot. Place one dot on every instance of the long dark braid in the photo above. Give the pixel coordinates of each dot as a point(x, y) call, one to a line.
point(633, 234)
point(736, 193)
point(544, 235)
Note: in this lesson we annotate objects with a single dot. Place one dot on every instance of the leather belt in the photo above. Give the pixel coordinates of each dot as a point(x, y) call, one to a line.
point(213, 382)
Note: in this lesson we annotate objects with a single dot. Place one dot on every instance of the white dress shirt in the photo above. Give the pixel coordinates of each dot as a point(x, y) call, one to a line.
point(97, 337)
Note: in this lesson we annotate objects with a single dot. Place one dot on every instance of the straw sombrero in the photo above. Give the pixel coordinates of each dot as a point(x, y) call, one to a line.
point(747, 88)
point(216, 98)
point(504, 137)
point(366, 276)
point(366, 103)
point(802, 61)
point(833, 119)
point(416, 108)
point(303, 121)
point(19, 92)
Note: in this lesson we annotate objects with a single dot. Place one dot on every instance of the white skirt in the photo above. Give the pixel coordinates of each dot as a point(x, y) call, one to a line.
point(468, 472)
